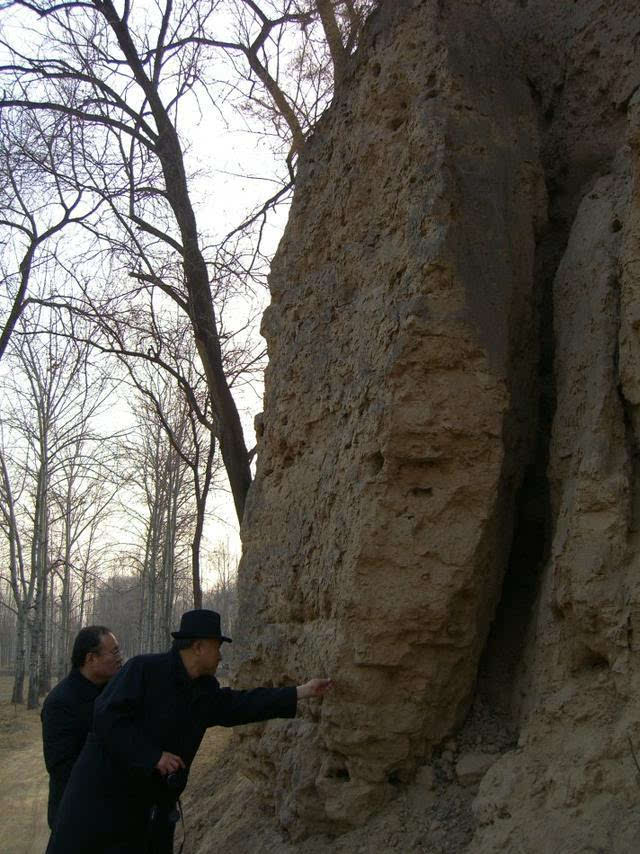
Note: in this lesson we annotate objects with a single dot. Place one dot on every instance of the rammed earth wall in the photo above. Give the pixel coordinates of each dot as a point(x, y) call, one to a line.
point(447, 468)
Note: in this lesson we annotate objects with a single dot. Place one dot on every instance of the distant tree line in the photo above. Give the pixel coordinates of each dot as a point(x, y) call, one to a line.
point(122, 604)
point(117, 601)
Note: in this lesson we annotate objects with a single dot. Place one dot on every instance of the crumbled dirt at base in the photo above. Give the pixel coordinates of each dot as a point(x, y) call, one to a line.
point(432, 814)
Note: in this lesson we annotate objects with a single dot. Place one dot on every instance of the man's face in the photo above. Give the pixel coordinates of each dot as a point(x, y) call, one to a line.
point(209, 655)
point(108, 660)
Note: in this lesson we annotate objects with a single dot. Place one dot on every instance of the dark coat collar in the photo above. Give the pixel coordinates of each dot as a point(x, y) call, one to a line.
point(86, 686)
point(177, 669)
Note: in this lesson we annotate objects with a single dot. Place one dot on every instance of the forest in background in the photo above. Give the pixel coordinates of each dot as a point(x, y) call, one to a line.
point(147, 153)
point(99, 511)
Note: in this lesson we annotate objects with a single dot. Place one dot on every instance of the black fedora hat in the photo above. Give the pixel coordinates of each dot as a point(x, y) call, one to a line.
point(200, 624)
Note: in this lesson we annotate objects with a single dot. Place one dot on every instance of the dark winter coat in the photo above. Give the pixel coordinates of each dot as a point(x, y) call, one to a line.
point(66, 717)
point(149, 707)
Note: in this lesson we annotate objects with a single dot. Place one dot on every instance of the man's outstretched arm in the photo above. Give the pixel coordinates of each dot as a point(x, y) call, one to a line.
point(225, 707)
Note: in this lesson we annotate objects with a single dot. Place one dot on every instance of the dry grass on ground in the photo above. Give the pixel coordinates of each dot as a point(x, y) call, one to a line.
point(23, 795)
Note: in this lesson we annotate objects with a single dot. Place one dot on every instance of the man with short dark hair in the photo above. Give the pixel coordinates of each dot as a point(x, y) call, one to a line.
point(67, 712)
point(148, 725)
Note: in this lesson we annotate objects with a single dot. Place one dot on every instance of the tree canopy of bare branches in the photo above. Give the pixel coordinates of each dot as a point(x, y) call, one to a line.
point(108, 91)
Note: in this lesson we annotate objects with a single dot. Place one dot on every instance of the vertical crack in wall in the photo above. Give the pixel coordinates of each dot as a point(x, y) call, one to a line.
point(631, 415)
point(532, 518)
point(534, 525)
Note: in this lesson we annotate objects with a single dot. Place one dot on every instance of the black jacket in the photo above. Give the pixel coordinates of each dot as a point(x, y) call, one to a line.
point(149, 707)
point(66, 716)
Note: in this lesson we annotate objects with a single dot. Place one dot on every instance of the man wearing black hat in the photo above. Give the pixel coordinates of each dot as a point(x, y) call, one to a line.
point(148, 724)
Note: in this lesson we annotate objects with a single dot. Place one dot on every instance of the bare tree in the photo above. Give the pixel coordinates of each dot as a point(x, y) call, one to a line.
point(221, 594)
point(162, 366)
point(50, 400)
point(118, 81)
point(163, 510)
point(36, 206)
point(7, 625)
point(22, 583)
point(194, 446)
point(86, 483)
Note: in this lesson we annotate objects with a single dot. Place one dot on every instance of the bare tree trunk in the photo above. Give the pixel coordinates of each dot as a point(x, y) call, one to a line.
point(22, 591)
point(201, 506)
point(169, 547)
point(44, 664)
point(17, 694)
point(334, 38)
point(46, 648)
point(39, 565)
point(152, 579)
point(83, 592)
point(196, 545)
point(200, 304)
point(142, 605)
point(34, 656)
point(65, 594)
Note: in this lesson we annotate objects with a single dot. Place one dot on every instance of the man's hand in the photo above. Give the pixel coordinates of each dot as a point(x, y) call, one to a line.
point(168, 763)
point(313, 688)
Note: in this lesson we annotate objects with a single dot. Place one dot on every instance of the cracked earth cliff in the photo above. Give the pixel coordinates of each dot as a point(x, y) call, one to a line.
point(445, 517)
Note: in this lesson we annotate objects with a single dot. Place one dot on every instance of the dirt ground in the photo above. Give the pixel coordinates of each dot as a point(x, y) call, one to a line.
point(23, 795)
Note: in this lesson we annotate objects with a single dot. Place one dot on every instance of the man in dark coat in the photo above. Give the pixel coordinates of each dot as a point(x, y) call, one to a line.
point(67, 711)
point(148, 724)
